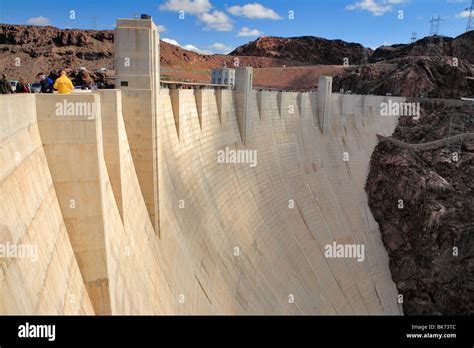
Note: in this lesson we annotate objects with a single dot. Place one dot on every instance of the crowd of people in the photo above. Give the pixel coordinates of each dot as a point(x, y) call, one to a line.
point(59, 82)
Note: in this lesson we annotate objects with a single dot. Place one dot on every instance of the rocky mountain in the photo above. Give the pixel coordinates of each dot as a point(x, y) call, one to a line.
point(412, 76)
point(461, 47)
point(429, 236)
point(309, 50)
point(436, 67)
point(26, 50)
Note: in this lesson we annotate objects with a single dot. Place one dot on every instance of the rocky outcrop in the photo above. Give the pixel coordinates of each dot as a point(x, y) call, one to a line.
point(423, 200)
point(310, 50)
point(410, 77)
point(26, 50)
point(435, 67)
point(46, 36)
point(461, 47)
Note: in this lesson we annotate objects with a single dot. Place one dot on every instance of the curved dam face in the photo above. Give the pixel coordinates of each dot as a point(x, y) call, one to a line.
point(258, 235)
point(150, 200)
point(247, 237)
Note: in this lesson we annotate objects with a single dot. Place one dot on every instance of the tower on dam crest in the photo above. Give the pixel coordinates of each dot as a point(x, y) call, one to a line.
point(137, 67)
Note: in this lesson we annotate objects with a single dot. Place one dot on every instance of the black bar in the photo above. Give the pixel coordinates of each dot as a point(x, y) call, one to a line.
point(290, 330)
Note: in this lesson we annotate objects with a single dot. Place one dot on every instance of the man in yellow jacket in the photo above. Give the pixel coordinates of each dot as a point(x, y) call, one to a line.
point(63, 84)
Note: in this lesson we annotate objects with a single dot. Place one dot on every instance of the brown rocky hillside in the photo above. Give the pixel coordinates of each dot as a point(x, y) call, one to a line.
point(25, 50)
point(305, 49)
point(410, 77)
point(430, 238)
point(435, 66)
point(461, 47)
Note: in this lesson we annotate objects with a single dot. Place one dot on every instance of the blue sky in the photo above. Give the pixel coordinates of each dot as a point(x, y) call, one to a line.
point(220, 25)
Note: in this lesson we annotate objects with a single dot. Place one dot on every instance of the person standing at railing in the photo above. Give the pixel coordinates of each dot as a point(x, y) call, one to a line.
point(22, 86)
point(45, 82)
point(63, 84)
point(5, 87)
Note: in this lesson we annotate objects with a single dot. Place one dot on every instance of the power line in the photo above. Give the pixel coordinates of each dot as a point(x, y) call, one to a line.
point(434, 27)
point(469, 17)
point(94, 22)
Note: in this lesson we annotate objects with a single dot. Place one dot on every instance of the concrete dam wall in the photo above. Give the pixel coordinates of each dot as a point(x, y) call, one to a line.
point(148, 200)
point(46, 278)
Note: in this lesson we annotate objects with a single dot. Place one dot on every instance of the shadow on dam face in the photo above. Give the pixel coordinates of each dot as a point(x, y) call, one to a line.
point(189, 201)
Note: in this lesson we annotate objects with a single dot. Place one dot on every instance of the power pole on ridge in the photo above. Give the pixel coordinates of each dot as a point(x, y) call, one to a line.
point(469, 16)
point(434, 25)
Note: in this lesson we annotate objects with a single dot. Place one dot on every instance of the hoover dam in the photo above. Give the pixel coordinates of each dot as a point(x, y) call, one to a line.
point(204, 200)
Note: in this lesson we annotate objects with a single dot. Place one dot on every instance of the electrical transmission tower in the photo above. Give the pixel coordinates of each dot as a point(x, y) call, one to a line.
point(413, 37)
point(434, 28)
point(469, 16)
point(94, 23)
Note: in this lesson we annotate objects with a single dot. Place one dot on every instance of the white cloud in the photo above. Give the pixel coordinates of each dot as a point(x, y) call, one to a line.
point(188, 47)
point(371, 6)
point(216, 20)
point(254, 10)
point(377, 8)
point(192, 7)
point(221, 47)
point(212, 20)
point(193, 48)
point(249, 32)
point(38, 21)
point(161, 28)
point(463, 14)
point(171, 41)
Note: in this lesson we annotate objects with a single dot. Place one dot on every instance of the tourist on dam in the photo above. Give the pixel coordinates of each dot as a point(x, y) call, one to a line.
point(22, 86)
point(45, 82)
point(87, 81)
point(63, 84)
point(5, 87)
